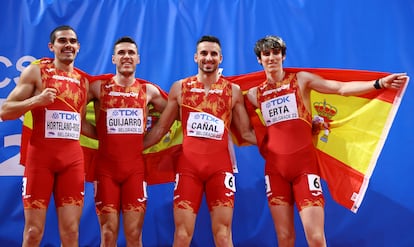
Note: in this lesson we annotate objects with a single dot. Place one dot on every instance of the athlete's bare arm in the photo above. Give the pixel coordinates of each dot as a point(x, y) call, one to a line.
point(168, 116)
point(88, 129)
point(155, 98)
point(240, 117)
point(251, 96)
point(317, 83)
point(27, 94)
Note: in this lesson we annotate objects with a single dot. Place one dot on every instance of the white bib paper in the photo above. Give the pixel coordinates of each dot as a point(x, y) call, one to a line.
point(279, 109)
point(62, 124)
point(125, 121)
point(201, 124)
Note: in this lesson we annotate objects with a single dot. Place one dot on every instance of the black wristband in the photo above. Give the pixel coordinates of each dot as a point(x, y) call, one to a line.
point(377, 85)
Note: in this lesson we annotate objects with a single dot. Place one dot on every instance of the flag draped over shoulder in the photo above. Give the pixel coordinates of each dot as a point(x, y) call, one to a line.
point(358, 126)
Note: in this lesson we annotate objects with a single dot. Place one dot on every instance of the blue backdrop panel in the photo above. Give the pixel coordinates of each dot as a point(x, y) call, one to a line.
point(369, 35)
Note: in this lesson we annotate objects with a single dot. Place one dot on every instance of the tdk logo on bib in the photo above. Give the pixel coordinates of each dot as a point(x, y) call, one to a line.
point(125, 121)
point(125, 113)
point(65, 116)
point(206, 117)
point(278, 101)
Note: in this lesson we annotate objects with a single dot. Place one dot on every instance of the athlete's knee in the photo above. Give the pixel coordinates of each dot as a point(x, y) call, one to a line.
point(316, 240)
point(223, 236)
point(69, 235)
point(182, 238)
point(32, 235)
point(223, 240)
point(132, 232)
point(109, 235)
point(286, 238)
point(133, 236)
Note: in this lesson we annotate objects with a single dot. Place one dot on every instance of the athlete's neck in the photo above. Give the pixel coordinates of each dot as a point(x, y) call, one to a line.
point(208, 78)
point(275, 76)
point(123, 80)
point(67, 67)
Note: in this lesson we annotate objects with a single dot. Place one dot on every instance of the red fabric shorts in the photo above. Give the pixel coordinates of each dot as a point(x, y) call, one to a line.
point(120, 191)
point(294, 178)
point(57, 171)
point(210, 173)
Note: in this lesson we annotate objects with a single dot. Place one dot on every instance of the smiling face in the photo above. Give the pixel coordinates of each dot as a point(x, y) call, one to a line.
point(65, 46)
point(270, 52)
point(272, 60)
point(125, 58)
point(208, 57)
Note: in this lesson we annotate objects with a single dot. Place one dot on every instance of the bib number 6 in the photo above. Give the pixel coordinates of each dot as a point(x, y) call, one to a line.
point(229, 181)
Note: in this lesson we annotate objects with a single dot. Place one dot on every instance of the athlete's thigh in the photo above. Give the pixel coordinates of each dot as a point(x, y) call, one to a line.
point(107, 195)
point(188, 192)
point(109, 221)
point(313, 218)
point(133, 222)
point(307, 190)
point(278, 190)
point(70, 185)
point(283, 218)
point(69, 216)
point(35, 218)
point(184, 221)
point(220, 190)
point(37, 187)
point(134, 193)
point(221, 216)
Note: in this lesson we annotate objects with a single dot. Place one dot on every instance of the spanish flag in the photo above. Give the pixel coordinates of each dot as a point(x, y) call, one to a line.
point(357, 127)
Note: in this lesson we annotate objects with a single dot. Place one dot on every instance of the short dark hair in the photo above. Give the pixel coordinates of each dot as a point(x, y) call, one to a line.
point(52, 36)
point(270, 42)
point(209, 38)
point(125, 39)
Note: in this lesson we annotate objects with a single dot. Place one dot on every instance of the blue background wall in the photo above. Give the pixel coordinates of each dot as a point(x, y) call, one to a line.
point(372, 35)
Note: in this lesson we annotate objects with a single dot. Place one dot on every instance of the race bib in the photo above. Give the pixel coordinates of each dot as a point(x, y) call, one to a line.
point(279, 109)
point(315, 186)
point(201, 124)
point(125, 121)
point(229, 181)
point(62, 124)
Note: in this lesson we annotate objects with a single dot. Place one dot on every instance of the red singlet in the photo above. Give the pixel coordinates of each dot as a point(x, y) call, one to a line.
point(205, 163)
point(55, 158)
point(292, 172)
point(119, 163)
